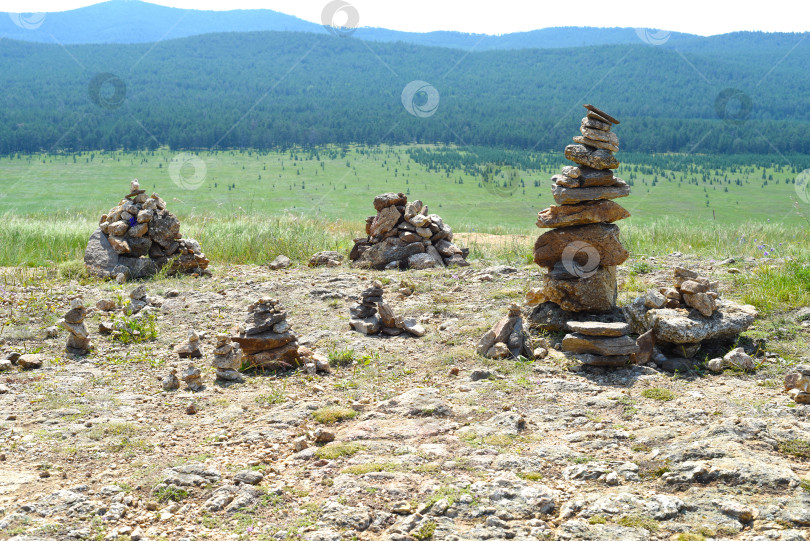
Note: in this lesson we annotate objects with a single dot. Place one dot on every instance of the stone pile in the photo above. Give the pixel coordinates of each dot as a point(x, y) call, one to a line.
point(227, 359)
point(582, 249)
point(797, 384)
point(689, 290)
point(266, 338)
point(138, 237)
point(170, 381)
point(508, 338)
point(193, 378)
point(191, 349)
point(687, 315)
point(373, 316)
point(404, 235)
point(78, 342)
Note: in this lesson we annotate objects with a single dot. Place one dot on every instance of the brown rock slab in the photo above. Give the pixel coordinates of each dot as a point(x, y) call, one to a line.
point(590, 212)
point(590, 157)
point(597, 328)
point(601, 113)
point(389, 200)
point(572, 196)
point(31, 360)
point(604, 360)
point(581, 244)
point(385, 221)
point(596, 293)
point(597, 117)
point(580, 343)
point(283, 357)
point(595, 144)
point(263, 341)
point(599, 135)
point(590, 177)
point(646, 343)
point(594, 124)
point(565, 181)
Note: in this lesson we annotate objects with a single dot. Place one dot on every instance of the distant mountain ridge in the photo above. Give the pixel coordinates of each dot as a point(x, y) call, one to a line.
point(134, 21)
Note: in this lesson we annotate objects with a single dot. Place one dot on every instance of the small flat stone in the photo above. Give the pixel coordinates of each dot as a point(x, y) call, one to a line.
point(597, 328)
point(589, 212)
point(601, 113)
point(595, 144)
point(580, 343)
point(572, 196)
point(590, 157)
point(604, 360)
point(594, 124)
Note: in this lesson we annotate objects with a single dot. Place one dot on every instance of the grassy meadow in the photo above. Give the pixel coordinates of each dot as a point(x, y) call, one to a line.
point(248, 206)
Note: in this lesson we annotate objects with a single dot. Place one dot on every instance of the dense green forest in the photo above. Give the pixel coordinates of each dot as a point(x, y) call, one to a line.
point(275, 89)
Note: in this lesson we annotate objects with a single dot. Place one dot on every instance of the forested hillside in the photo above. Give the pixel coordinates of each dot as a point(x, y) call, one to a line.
point(271, 89)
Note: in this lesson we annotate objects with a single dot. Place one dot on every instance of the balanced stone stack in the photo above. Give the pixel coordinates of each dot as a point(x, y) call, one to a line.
point(191, 349)
point(267, 340)
point(227, 359)
point(688, 290)
point(582, 249)
point(404, 235)
point(138, 237)
point(797, 384)
point(78, 342)
point(508, 338)
point(193, 378)
point(373, 316)
point(599, 343)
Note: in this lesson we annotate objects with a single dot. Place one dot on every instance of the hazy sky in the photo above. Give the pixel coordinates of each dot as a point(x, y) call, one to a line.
point(502, 16)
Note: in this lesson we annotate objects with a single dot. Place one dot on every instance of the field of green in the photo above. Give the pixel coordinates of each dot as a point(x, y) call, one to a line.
point(249, 206)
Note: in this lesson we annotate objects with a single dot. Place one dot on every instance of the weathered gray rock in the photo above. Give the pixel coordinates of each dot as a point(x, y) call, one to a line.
point(586, 246)
point(422, 261)
point(327, 258)
point(590, 157)
point(598, 328)
point(99, 257)
point(387, 200)
point(589, 212)
point(425, 401)
point(30, 361)
point(580, 343)
point(594, 293)
point(679, 326)
point(389, 250)
point(280, 262)
point(573, 196)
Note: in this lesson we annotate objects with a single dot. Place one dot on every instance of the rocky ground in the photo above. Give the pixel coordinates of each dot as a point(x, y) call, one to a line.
point(406, 439)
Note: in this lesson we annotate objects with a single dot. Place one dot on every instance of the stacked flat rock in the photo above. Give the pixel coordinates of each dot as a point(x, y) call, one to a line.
point(404, 235)
point(600, 344)
point(508, 338)
point(267, 339)
point(193, 378)
point(373, 316)
point(797, 384)
point(688, 314)
point(191, 349)
point(582, 249)
point(138, 237)
point(227, 359)
point(78, 341)
point(688, 290)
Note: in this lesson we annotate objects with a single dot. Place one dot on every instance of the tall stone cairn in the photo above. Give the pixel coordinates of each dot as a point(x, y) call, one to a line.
point(582, 249)
point(138, 237)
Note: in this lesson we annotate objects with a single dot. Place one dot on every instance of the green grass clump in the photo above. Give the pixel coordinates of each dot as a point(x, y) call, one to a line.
point(804, 484)
point(425, 531)
point(344, 357)
point(597, 519)
point(330, 415)
point(337, 450)
point(797, 448)
point(639, 521)
point(689, 537)
point(656, 393)
point(170, 492)
point(370, 467)
point(134, 330)
point(776, 287)
point(530, 475)
point(276, 396)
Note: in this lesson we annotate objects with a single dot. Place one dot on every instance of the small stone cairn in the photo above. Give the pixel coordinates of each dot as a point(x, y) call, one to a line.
point(78, 342)
point(508, 338)
point(227, 360)
point(583, 248)
point(191, 349)
point(373, 316)
point(138, 237)
point(404, 235)
point(689, 290)
point(797, 384)
point(266, 338)
point(193, 378)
